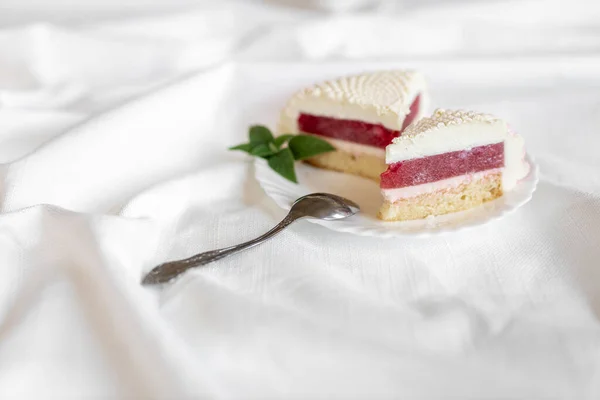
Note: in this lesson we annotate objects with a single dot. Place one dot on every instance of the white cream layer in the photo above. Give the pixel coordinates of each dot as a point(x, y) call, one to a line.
point(516, 167)
point(355, 112)
point(451, 138)
point(454, 130)
point(352, 147)
point(392, 195)
point(382, 98)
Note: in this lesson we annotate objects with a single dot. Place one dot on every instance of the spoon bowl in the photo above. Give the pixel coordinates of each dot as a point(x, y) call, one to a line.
point(324, 206)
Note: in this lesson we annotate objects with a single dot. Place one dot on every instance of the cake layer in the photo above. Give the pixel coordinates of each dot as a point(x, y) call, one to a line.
point(446, 131)
point(467, 195)
point(392, 195)
point(355, 131)
point(379, 98)
point(356, 149)
point(443, 166)
point(365, 165)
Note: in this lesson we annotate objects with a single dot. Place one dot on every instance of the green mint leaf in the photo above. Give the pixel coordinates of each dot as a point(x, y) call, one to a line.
point(262, 150)
point(260, 135)
point(243, 147)
point(306, 146)
point(282, 162)
point(281, 140)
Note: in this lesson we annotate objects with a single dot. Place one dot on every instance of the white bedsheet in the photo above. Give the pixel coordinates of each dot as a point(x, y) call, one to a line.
point(112, 144)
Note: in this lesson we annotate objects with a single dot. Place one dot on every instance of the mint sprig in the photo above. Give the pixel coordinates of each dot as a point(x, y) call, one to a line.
point(305, 146)
point(282, 162)
point(260, 135)
point(281, 159)
point(282, 139)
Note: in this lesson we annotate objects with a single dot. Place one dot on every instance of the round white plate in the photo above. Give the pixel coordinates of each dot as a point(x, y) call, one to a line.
point(367, 194)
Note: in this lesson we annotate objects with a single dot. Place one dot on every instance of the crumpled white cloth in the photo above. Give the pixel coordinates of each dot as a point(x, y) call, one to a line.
point(113, 141)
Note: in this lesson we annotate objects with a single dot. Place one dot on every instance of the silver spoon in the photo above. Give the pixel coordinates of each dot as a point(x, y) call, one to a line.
point(317, 205)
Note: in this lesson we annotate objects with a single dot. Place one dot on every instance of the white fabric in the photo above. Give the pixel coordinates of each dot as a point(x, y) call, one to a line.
point(113, 138)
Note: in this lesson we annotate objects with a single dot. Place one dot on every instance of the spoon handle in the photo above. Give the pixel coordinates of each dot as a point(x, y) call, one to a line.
point(169, 270)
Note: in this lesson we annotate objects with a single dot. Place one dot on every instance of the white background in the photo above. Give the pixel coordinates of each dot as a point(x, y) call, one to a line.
point(114, 120)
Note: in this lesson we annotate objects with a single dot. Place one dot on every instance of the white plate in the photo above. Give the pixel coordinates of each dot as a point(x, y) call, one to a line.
point(366, 193)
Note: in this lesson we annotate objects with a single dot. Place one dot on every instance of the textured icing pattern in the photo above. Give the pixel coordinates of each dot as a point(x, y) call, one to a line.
point(385, 91)
point(444, 118)
point(382, 97)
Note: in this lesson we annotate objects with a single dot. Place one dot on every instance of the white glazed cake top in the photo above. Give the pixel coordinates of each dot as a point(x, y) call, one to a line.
point(445, 118)
point(443, 132)
point(382, 97)
point(454, 130)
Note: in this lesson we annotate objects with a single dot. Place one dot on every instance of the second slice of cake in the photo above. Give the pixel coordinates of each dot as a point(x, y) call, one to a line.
point(451, 161)
point(359, 115)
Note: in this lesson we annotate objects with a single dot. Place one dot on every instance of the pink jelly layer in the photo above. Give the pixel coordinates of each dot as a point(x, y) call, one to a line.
point(443, 166)
point(355, 131)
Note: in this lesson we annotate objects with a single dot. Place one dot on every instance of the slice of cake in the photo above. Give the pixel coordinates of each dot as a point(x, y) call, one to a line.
point(359, 115)
point(451, 161)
